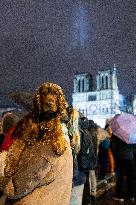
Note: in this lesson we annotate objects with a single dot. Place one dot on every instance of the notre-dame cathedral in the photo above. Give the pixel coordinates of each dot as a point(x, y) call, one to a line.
point(102, 103)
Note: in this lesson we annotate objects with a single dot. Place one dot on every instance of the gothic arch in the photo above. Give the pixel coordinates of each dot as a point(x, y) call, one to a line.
point(79, 85)
point(102, 82)
point(83, 85)
point(106, 82)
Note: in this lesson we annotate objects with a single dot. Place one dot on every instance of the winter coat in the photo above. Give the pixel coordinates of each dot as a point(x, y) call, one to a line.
point(105, 144)
point(111, 161)
point(120, 149)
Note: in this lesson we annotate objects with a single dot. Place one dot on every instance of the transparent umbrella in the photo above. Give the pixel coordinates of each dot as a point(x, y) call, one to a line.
point(124, 126)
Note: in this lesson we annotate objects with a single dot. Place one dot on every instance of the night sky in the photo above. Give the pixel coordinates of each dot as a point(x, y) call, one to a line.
point(50, 40)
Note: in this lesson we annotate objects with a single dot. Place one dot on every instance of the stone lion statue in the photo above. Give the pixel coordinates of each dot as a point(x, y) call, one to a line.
point(38, 167)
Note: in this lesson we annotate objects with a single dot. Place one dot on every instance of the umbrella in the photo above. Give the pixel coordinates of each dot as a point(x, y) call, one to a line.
point(124, 127)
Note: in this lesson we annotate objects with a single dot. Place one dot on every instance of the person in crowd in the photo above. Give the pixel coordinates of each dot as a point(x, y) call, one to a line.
point(84, 162)
point(93, 160)
point(135, 152)
point(111, 163)
point(123, 154)
point(9, 119)
point(80, 163)
point(105, 156)
point(9, 122)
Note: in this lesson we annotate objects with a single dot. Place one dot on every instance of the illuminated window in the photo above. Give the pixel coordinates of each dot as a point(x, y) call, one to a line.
point(91, 97)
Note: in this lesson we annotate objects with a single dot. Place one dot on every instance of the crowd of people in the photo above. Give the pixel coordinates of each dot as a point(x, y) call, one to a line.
point(109, 155)
point(96, 152)
point(94, 160)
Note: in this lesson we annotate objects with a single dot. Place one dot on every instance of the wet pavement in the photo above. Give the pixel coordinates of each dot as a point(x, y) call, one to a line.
point(106, 194)
point(108, 199)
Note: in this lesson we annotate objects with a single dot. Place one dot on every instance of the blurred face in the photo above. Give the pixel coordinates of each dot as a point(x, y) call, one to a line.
point(109, 130)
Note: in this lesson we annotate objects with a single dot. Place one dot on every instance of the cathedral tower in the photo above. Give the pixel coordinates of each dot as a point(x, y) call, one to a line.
point(83, 83)
point(102, 103)
point(107, 79)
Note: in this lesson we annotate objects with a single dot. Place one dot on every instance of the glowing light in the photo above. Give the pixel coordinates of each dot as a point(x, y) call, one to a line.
point(80, 26)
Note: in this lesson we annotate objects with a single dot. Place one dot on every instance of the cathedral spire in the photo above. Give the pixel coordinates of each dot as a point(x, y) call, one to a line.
point(114, 66)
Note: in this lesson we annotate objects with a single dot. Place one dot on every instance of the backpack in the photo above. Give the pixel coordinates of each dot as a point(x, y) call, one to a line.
point(87, 158)
point(83, 156)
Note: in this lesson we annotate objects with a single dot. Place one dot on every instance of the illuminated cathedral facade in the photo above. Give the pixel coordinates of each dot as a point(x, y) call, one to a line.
point(102, 103)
